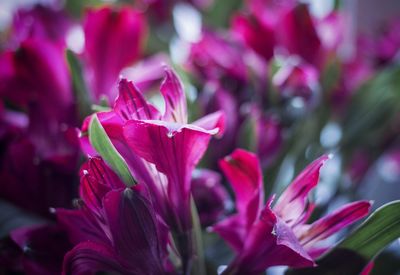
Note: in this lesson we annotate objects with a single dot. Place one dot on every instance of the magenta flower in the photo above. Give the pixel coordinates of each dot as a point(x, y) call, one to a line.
point(265, 236)
point(116, 229)
point(216, 57)
point(161, 149)
point(41, 22)
point(35, 76)
point(113, 40)
point(299, 36)
point(173, 146)
point(298, 80)
point(257, 35)
point(283, 25)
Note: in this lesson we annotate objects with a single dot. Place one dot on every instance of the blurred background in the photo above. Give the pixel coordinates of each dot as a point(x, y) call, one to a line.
point(323, 77)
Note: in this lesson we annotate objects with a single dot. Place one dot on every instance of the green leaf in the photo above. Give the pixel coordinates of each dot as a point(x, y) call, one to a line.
point(79, 85)
point(353, 253)
point(380, 229)
point(100, 141)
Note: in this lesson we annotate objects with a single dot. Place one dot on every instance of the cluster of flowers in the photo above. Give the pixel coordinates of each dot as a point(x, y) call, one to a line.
point(257, 80)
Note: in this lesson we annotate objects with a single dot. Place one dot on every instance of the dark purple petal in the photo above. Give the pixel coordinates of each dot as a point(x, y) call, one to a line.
point(43, 248)
point(90, 258)
point(133, 226)
point(80, 225)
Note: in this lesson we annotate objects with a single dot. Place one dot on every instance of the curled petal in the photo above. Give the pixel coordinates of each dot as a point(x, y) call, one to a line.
point(332, 223)
point(174, 96)
point(293, 201)
point(243, 171)
point(212, 121)
point(130, 103)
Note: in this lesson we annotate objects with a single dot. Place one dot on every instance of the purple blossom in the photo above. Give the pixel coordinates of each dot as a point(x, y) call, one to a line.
point(264, 236)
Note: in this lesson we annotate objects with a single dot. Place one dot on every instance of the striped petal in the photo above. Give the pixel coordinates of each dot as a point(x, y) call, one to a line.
point(332, 223)
point(174, 96)
point(293, 201)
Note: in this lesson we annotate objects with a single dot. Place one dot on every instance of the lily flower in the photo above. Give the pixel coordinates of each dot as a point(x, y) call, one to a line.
point(265, 236)
point(116, 229)
point(161, 150)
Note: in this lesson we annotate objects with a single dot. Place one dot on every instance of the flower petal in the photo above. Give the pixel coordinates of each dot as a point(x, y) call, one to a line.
point(133, 226)
point(90, 258)
point(174, 96)
point(130, 103)
point(108, 30)
point(293, 201)
point(80, 226)
point(270, 242)
point(212, 121)
point(332, 223)
point(96, 180)
point(232, 230)
point(175, 150)
point(243, 171)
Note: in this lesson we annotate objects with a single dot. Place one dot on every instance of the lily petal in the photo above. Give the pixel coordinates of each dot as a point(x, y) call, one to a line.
point(212, 121)
point(270, 242)
point(134, 230)
point(80, 226)
point(332, 223)
point(108, 30)
point(174, 96)
point(243, 171)
point(96, 180)
point(175, 150)
point(90, 258)
point(130, 103)
point(293, 201)
point(232, 230)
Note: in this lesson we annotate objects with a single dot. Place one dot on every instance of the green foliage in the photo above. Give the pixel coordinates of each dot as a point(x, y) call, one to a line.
point(103, 145)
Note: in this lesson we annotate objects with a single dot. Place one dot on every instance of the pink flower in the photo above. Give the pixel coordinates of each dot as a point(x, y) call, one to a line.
point(215, 57)
point(113, 40)
point(116, 229)
point(161, 149)
point(264, 236)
